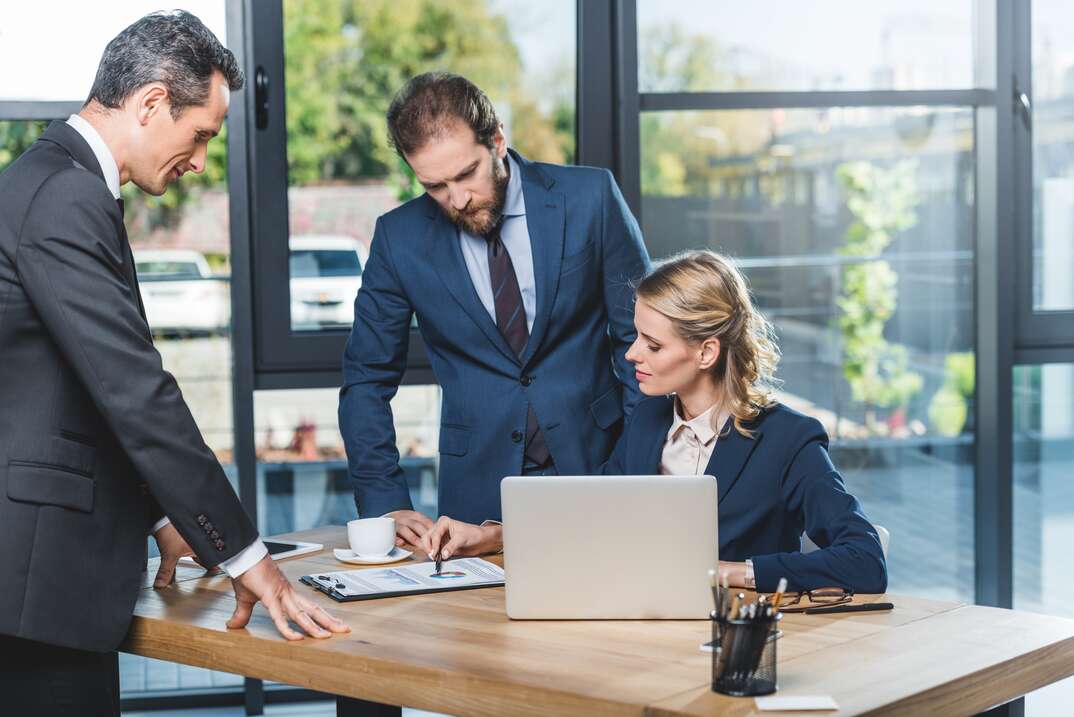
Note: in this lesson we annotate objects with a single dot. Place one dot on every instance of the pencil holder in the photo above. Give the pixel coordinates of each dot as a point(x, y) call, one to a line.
point(744, 656)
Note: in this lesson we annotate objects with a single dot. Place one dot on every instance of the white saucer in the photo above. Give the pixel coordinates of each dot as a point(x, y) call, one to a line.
point(347, 555)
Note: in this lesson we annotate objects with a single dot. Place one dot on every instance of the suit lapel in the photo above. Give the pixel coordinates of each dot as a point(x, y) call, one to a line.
point(545, 222)
point(132, 271)
point(729, 457)
point(446, 255)
point(660, 432)
point(67, 137)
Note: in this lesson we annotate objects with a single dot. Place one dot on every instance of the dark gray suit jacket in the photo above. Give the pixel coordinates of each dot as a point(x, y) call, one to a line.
point(96, 441)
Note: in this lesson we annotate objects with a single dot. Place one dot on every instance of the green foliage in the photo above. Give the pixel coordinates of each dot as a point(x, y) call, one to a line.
point(16, 137)
point(949, 407)
point(345, 59)
point(404, 181)
point(683, 150)
point(677, 61)
point(882, 201)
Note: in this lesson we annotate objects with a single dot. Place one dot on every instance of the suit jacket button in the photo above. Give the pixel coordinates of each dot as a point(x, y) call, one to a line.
point(219, 544)
point(202, 520)
point(214, 535)
point(208, 527)
point(526, 380)
point(516, 436)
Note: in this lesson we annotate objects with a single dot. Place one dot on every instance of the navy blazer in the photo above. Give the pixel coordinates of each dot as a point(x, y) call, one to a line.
point(771, 488)
point(587, 247)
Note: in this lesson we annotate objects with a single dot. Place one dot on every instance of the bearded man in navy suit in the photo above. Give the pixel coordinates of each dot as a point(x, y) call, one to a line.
point(519, 274)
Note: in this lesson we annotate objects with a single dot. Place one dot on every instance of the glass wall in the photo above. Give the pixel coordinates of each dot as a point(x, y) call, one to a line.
point(687, 46)
point(855, 229)
point(344, 60)
point(1053, 156)
point(1044, 505)
point(302, 467)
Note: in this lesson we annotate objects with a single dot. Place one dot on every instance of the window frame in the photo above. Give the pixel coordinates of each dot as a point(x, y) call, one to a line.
point(1036, 329)
point(284, 358)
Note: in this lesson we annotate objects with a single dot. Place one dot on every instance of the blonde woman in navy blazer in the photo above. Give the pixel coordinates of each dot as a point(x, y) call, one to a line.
point(707, 358)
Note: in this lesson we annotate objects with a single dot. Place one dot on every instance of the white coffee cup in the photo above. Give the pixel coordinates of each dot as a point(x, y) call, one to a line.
point(371, 537)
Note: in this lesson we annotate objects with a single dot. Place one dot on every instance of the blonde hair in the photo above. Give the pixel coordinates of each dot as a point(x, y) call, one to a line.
point(706, 297)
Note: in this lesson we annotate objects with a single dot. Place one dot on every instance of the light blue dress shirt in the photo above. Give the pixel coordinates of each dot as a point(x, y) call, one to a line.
point(515, 236)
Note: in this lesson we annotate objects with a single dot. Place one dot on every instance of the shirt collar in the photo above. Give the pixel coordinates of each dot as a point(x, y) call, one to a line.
point(100, 150)
point(701, 425)
point(514, 203)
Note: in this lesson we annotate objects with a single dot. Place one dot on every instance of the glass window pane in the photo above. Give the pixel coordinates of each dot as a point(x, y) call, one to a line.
point(688, 46)
point(344, 62)
point(302, 477)
point(182, 249)
point(16, 137)
point(1053, 156)
point(29, 38)
point(1044, 505)
point(855, 230)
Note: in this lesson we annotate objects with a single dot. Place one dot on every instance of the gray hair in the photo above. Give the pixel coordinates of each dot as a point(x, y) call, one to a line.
point(171, 47)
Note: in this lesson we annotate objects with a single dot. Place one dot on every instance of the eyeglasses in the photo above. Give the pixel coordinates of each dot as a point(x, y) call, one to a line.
point(799, 602)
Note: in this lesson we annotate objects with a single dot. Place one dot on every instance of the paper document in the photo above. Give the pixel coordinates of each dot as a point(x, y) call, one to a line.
point(796, 703)
point(418, 578)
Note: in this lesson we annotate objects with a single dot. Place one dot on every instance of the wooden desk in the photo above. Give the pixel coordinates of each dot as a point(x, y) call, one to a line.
point(458, 653)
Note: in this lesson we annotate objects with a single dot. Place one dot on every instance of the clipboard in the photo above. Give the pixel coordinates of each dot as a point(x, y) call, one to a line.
point(397, 581)
point(340, 597)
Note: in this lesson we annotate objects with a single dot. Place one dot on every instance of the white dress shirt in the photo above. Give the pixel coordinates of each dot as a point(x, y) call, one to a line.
point(100, 151)
point(253, 553)
point(689, 444)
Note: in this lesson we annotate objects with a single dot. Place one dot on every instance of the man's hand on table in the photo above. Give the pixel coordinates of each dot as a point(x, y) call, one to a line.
point(265, 583)
point(172, 546)
point(410, 527)
point(456, 539)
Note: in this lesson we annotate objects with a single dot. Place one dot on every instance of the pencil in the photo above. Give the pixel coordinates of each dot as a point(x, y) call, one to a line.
point(778, 597)
point(733, 612)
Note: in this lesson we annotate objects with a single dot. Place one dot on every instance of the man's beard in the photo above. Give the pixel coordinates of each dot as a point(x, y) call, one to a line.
point(480, 219)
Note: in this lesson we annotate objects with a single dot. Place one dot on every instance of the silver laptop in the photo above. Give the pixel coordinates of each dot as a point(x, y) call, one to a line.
point(609, 547)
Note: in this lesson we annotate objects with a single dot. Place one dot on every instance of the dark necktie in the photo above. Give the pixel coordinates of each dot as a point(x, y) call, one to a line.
point(511, 321)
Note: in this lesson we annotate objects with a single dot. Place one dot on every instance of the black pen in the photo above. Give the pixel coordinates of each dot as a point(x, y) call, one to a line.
point(439, 562)
point(865, 607)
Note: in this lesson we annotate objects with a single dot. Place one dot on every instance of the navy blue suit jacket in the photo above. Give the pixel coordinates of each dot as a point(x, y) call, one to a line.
point(586, 249)
point(771, 487)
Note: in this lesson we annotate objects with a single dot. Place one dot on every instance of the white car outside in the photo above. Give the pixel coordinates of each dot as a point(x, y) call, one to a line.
point(326, 272)
point(181, 294)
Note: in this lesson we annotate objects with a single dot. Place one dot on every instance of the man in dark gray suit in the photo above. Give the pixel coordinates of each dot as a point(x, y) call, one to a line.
point(97, 447)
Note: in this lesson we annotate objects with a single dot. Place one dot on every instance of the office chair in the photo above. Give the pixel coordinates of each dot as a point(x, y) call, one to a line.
point(808, 546)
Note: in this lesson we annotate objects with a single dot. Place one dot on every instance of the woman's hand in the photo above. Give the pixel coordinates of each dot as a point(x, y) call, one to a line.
point(736, 574)
point(456, 539)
